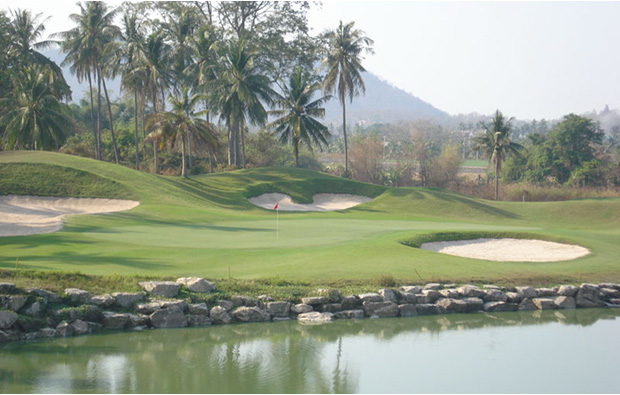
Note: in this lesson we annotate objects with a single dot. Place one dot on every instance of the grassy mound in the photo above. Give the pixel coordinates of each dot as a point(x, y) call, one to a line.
point(418, 240)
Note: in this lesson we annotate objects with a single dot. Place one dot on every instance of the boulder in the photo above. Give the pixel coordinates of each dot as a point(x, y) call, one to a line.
point(493, 307)
point(565, 302)
point(514, 297)
point(127, 300)
point(167, 304)
point(197, 284)
point(7, 319)
point(588, 296)
point(527, 305)
point(198, 309)
point(315, 317)
point(138, 321)
point(250, 314)
point(527, 292)
point(423, 299)
point(4, 337)
point(450, 305)
point(265, 298)
point(371, 297)
point(407, 310)
point(198, 320)
point(301, 308)
point(449, 293)
point(84, 312)
point(545, 303)
point(388, 295)
point(6, 288)
point(432, 286)
point(410, 289)
point(490, 286)
point(431, 295)
point(77, 296)
point(35, 310)
point(329, 308)
point(315, 300)
point(219, 315)
point(103, 301)
point(470, 291)
point(166, 289)
point(350, 302)
point(605, 293)
point(171, 317)
point(332, 295)
point(494, 295)
point(80, 327)
point(226, 304)
point(147, 308)
point(546, 292)
point(279, 309)
point(28, 324)
point(349, 314)
point(427, 309)
point(113, 320)
point(49, 297)
point(610, 285)
point(47, 333)
point(244, 301)
point(386, 308)
point(568, 290)
point(473, 304)
point(16, 302)
point(64, 329)
point(408, 298)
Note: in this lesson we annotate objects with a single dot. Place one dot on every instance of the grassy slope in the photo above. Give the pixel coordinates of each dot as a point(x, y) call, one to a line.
point(204, 226)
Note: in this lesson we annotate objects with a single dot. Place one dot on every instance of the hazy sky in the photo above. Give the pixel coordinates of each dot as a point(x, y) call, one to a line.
point(528, 59)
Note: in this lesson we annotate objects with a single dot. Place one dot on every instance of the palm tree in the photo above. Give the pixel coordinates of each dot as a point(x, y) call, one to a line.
point(35, 118)
point(344, 68)
point(240, 89)
point(297, 121)
point(182, 119)
point(495, 142)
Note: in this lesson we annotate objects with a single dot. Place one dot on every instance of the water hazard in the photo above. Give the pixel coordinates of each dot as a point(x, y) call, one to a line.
point(575, 351)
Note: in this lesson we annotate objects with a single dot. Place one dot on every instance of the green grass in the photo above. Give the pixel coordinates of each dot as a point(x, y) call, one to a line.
point(475, 163)
point(205, 226)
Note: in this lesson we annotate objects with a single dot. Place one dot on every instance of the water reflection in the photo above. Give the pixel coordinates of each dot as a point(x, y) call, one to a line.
point(266, 358)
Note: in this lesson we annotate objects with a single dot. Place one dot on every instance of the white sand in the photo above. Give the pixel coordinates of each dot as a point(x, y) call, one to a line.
point(515, 250)
point(321, 202)
point(29, 215)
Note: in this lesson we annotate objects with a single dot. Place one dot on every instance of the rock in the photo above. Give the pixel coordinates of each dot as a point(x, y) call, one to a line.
point(545, 303)
point(490, 286)
point(80, 327)
point(114, 320)
point(198, 320)
point(244, 301)
point(137, 321)
point(329, 308)
point(219, 315)
point(16, 302)
point(84, 312)
point(250, 314)
point(431, 295)
point(470, 291)
point(450, 305)
point(371, 297)
point(168, 304)
point(166, 289)
point(546, 292)
point(410, 289)
point(565, 302)
point(103, 301)
point(315, 317)
point(432, 286)
point(147, 308)
point(265, 298)
point(64, 329)
point(198, 309)
point(47, 333)
point(332, 295)
point(226, 304)
point(493, 307)
point(527, 305)
point(279, 309)
point(171, 317)
point(427, 309)
point(49, 297)
point(77, 296)
point(349, 314)
point(605, 293)
point(610, 285)
point(449, 286)
point(6, 288)
point(408, 298)
point(407, 310)
point(35, 310)
point(449, 293)
point(527, 292)
point(494, 295)
point(127, 300)
point(4, 337)
point(314, 300)
point(588, 296)
point(614, 303)
point(473, 304)
point(301, 308)
point(388, 295)
point(568, 290)
point(7, 319)
point(27, 324)
point(422, 299)
point(350, 302)
point(381, 309)
point(197, 284)
point(514, 297)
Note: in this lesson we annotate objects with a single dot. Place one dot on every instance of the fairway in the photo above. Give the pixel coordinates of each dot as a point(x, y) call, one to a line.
point(205, 226)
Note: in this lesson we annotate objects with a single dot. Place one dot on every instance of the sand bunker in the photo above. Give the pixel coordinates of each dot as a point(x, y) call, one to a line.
point(29, 215)
point(514, 250)
point(321, 202)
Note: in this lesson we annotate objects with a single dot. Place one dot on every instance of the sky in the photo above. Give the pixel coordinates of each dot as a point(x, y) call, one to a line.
point(531, 60)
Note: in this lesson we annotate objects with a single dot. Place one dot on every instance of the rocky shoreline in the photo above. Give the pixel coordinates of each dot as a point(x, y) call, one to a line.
point(37, 313)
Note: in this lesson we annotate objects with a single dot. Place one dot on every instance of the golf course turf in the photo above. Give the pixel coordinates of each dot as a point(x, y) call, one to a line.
point(205, 226)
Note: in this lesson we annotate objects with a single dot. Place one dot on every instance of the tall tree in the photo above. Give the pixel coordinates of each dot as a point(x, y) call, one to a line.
point(495, 142)
point(297, 121)
point(344, 69)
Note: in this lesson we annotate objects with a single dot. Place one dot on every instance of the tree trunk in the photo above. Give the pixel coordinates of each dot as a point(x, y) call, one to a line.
point(135, 121)
point(296, 152)
point(344, 131)
point(99, 116)
point(189, 149)
point(210, 161)
point(107, 99)
point(231, 146)
point(155, 156)
point(92, 115)
point(183, 165)
point(496, 178)
point(242, 132)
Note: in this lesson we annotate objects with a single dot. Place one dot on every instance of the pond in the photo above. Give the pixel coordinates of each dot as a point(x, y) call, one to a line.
point(569, 351)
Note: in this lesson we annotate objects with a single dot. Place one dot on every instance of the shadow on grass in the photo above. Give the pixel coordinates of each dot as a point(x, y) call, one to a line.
point(81, 261)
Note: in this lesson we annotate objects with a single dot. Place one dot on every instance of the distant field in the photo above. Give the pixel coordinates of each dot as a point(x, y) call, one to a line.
point(205, 225)
point(475, 163)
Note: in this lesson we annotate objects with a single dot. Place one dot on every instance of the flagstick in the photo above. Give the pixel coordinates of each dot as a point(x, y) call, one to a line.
point(277, 224)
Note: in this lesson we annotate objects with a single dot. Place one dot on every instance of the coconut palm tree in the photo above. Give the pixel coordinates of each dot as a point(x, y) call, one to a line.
point(240, 90)
point(298, 113)
point(174, 125)
point(34, 118)
point(344, 69)
point(496, 144)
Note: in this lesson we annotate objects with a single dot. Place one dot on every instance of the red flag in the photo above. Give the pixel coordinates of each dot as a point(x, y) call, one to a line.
point(275, 207)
